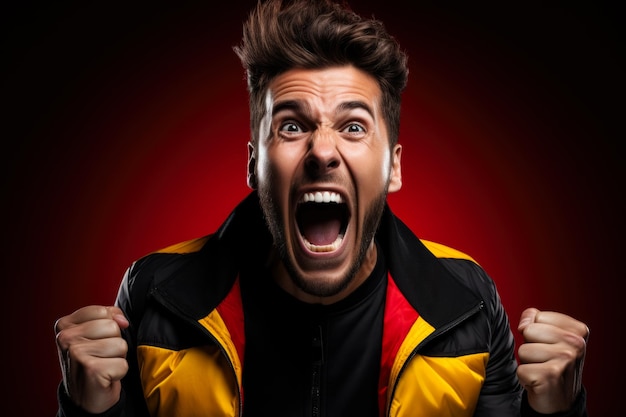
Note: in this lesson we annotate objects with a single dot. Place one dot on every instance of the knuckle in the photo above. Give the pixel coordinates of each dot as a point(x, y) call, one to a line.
point(125, 366)
point(580, 344)
point(584, 331)
point(120, 346)
point(111, 328)
point(522, 352)
point(577, 343)
point(568, 355)
point(75, 351)
point(553, 370)
point(526, 376)
point(62, 340)
point(124, 345)
point(101, 311)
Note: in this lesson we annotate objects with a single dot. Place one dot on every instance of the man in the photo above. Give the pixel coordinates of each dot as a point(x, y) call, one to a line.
point(313, 299)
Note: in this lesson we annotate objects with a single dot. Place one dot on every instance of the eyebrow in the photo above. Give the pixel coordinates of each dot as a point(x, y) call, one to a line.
point(355, 104)
point(303, 107)
point(294, 105)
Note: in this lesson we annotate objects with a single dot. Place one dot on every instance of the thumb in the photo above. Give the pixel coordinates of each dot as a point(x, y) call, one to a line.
point(527, 317)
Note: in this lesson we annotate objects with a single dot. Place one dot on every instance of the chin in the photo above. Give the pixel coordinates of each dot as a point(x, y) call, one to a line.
point(321, 287)
point(323, 281)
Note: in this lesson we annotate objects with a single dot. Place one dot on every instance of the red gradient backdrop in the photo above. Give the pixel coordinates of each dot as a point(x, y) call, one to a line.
point(126, 130)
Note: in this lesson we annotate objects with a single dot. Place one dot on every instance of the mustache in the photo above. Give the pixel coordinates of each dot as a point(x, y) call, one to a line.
point(328, 178)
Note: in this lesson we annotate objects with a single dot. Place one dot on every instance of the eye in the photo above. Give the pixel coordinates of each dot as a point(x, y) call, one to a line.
point(290, 127)
point(354, 129)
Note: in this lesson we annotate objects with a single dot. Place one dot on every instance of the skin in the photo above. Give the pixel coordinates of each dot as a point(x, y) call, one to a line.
point(93, 356)
point(320, 144)
point(324, 131)
point(551, 359)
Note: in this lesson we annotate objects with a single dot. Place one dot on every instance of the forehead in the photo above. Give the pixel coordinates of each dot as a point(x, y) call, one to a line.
point(325, 87)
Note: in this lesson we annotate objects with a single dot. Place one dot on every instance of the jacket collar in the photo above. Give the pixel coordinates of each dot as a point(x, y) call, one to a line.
point(432, 290)
point(198, 282)
point(194, 284)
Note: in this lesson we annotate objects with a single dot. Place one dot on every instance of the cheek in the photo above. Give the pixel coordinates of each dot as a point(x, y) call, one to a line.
point(275, 170)
point(374, 170)
point(385, 168)
point(267, 170)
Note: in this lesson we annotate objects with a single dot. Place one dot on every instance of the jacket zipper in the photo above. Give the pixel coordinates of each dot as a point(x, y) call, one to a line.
point(433, 335)
point(172, 308)
point(317, 360)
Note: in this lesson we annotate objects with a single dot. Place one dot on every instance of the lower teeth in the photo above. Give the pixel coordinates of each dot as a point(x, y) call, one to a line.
point(324, 248)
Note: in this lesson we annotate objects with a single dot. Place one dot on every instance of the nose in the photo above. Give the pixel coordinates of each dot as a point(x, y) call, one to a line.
point(323, 156)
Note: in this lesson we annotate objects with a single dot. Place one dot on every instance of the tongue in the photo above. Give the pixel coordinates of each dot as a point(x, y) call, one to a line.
point(322, 231)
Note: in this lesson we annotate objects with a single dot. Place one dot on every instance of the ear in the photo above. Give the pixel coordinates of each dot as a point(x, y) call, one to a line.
point(252, 179)
point(395, 179)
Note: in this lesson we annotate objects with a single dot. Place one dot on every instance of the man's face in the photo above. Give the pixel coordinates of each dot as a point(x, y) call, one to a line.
point(323, 167)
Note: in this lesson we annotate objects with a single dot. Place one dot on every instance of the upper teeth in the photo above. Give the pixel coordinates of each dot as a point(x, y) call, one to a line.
point(321, 197)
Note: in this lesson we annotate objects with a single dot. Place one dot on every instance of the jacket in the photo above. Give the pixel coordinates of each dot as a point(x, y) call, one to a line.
point(447, 346)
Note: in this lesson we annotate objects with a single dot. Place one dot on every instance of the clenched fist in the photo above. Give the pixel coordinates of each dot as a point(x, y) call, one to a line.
point(92, 353)
point(551, 359)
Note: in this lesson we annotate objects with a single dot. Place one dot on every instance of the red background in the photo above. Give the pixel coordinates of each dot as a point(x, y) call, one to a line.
point(126, 130)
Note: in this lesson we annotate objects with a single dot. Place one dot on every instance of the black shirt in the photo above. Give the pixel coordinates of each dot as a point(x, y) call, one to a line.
point(308, 359)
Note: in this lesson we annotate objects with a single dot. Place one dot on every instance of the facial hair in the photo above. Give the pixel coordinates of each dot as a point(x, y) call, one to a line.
point(273, 218)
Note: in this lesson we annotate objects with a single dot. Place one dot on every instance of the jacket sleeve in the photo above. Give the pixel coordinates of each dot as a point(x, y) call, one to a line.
point(131, 299)
point(501, 393)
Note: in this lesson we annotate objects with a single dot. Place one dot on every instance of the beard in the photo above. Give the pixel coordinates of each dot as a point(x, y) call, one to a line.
point(320, 288)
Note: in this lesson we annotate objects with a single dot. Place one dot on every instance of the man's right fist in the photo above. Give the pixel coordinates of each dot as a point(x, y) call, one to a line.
point(92, 354)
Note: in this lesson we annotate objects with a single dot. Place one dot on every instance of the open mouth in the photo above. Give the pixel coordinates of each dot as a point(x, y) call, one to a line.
point(322, 219)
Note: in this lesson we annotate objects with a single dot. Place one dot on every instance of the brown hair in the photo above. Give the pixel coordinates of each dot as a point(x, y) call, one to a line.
point(281, 35)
